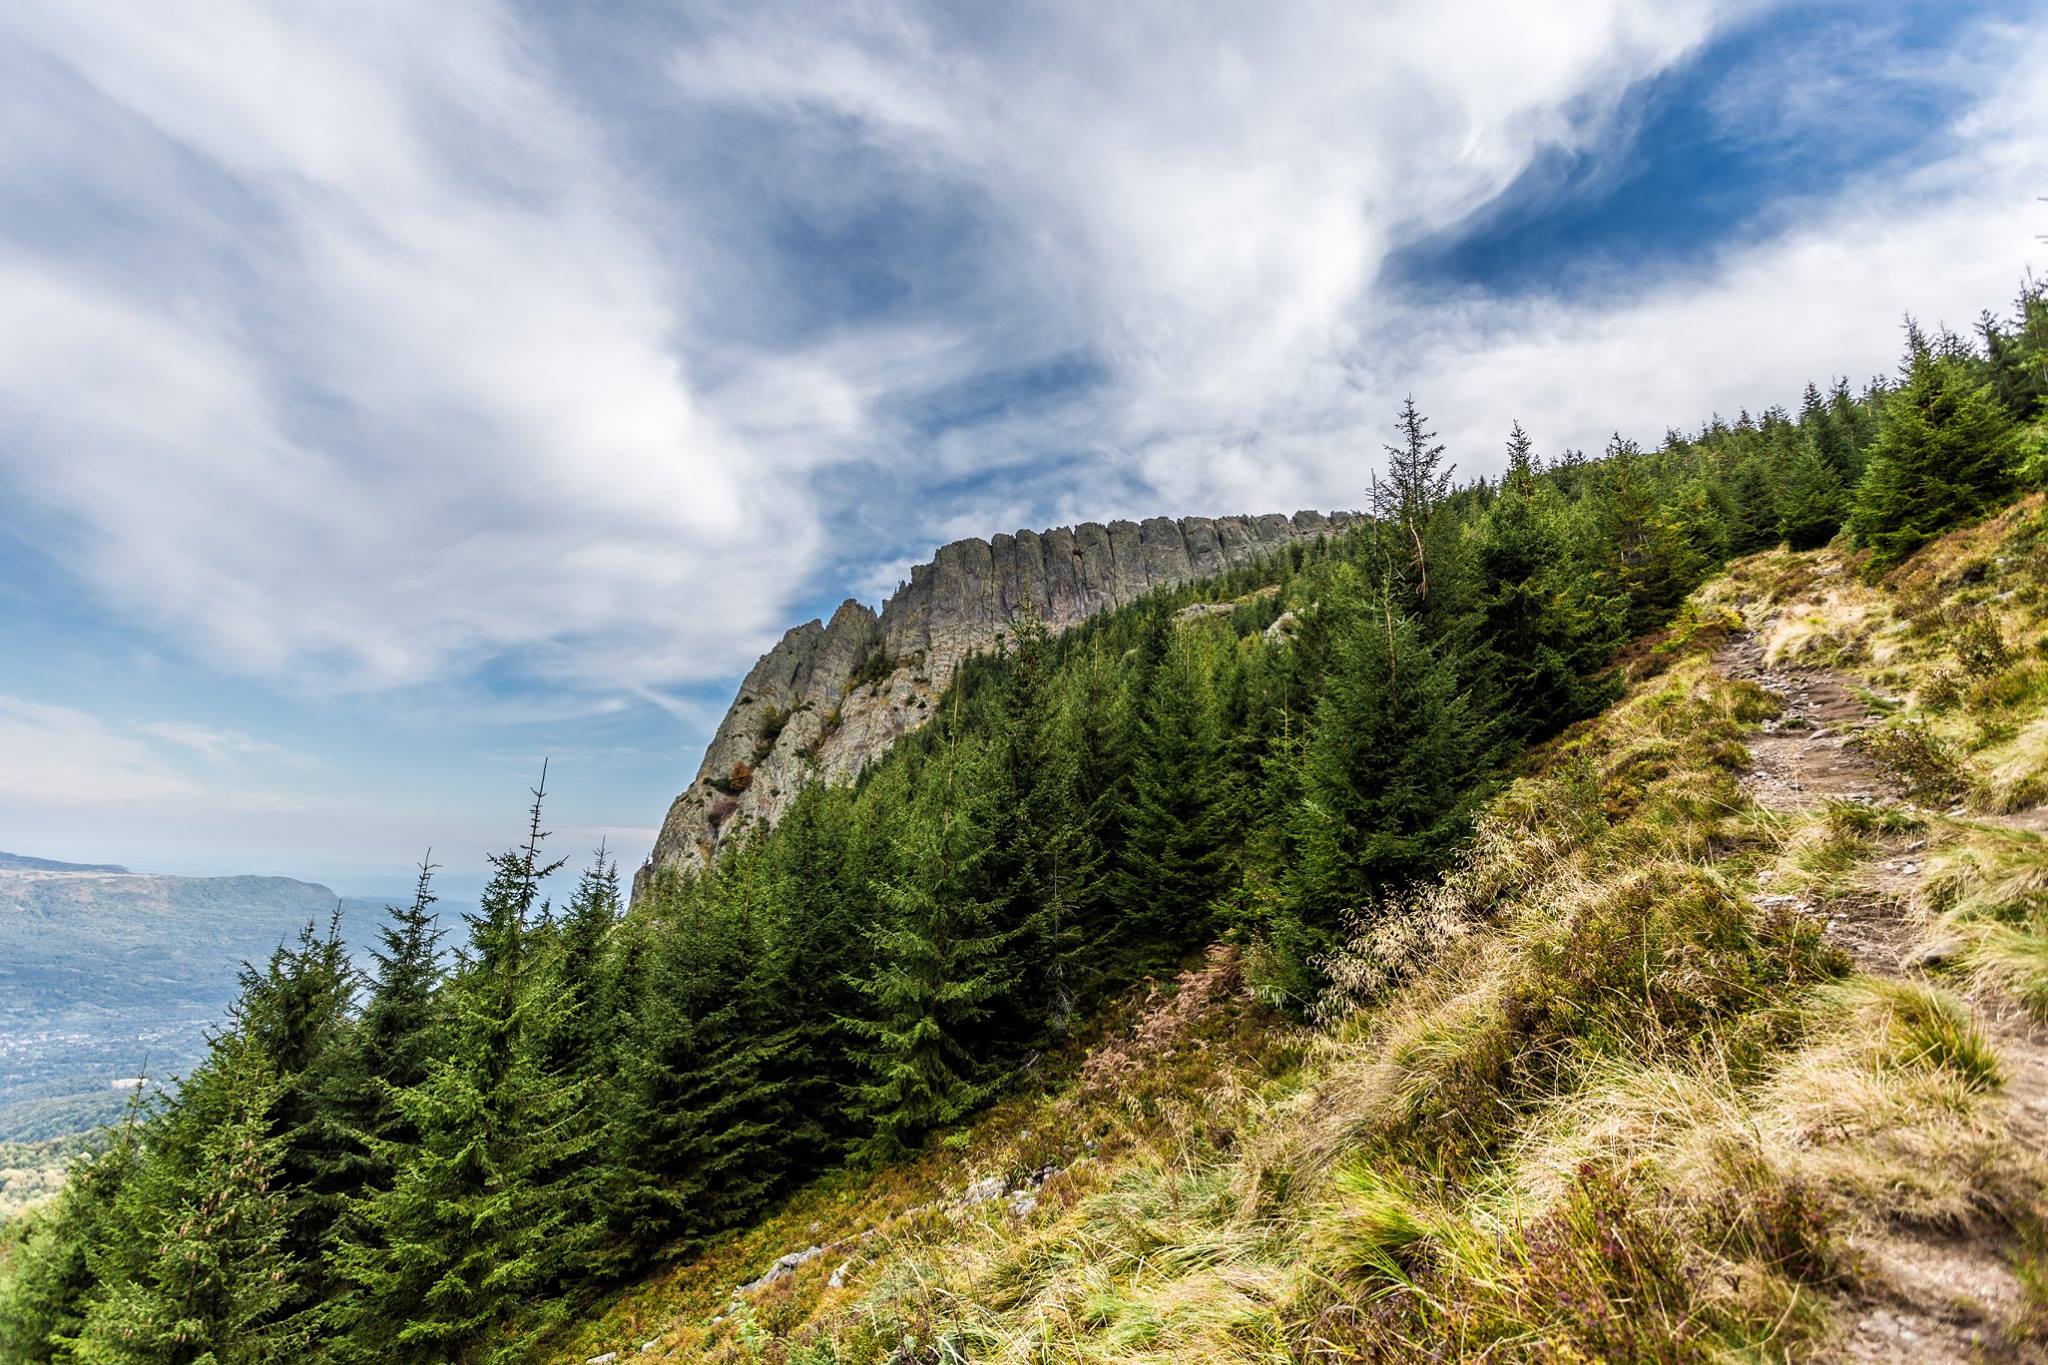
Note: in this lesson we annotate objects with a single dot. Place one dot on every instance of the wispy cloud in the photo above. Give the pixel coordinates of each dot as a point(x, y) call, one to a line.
point(58, 756)
point(216, 745)
point(404, 395)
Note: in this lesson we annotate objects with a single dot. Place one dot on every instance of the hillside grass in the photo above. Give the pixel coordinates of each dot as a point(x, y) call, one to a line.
point(1604, 1092)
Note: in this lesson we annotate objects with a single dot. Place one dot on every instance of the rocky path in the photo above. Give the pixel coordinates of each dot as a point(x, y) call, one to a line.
point(1929, 1297)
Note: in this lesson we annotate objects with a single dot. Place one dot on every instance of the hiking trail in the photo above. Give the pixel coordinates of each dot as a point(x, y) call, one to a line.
point(1932, 1294)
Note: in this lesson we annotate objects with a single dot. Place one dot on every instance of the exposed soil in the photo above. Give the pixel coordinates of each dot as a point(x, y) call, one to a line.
point(1804, 756)
point(1929, 1295)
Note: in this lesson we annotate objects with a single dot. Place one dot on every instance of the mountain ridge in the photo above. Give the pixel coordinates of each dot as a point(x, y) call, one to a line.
point(22, 862)
point(832, 696)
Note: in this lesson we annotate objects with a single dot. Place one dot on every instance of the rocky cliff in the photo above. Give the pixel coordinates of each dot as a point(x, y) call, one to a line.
point(833, 695)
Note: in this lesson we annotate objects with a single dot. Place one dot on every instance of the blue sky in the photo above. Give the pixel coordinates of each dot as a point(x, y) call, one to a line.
point(393, 395)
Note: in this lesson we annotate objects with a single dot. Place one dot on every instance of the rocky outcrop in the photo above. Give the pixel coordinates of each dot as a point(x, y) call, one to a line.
point(833, 695)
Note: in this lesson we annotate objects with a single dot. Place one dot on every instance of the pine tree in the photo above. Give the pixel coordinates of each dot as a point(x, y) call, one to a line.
point(1857, 420)
point(299, 1011)
point(820, 905)
point(677, 1136)
point(400, 1027)
point(1407, 501)
point(1043, 858)
point(1544, 626)
point(1822, 431)
point(1753, 519)
point(2016, 353)
point(940, 962)
point(1101, 714)
point(69, 1251)
point(203, 1277)
point(1943, 454)
point(388, 1052)
point(1814, 504)
point(1648, 563)
point(1176, 855)
point(475, 1220)
point(1390, 776)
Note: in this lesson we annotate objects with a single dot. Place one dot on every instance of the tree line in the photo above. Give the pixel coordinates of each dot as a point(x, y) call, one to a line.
point(440, 1158)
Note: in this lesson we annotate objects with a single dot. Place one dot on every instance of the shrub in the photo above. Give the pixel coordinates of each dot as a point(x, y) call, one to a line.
point(1927, 765)
point(1942, 689)
point(733, 783)
point(874, 668)
point(1978, 643)
point(773, 721)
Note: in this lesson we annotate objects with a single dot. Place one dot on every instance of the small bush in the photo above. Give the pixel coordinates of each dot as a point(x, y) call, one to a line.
point(1942, 689)
point(1979, 645)
point(773, 721)
point(1927, 765)
point(1782, 1224)
point(733, 783)
point(873, 669)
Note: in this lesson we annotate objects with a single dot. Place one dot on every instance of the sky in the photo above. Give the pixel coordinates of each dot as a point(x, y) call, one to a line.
point(394, 396)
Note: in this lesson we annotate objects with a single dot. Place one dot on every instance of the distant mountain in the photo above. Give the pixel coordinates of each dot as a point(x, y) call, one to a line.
point(16, 862)
point(104, 971)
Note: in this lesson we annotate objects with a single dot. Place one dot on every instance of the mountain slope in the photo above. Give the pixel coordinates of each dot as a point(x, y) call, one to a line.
point(1727, 1036)
point(1594, 1071)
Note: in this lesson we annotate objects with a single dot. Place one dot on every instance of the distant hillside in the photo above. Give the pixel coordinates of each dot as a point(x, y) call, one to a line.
point(16, 862)
point(104, 969)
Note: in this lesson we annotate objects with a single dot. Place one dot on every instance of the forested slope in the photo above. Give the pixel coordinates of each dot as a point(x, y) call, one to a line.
point(1567, 1079)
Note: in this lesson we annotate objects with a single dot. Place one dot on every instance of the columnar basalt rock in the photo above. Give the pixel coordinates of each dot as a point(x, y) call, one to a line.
point(832, 696)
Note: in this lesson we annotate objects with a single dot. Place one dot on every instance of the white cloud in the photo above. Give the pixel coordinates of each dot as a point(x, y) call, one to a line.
point(1202, 195)
point(430, 411)
point(1826, 297)
point(428, 376)
point(60, 757)
point(214, 744)
point(1204, 198)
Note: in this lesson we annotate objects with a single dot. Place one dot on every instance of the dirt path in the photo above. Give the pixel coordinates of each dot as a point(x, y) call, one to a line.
point(1929, 1296)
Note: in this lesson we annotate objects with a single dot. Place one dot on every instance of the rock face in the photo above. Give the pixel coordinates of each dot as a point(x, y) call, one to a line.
point(832, 696)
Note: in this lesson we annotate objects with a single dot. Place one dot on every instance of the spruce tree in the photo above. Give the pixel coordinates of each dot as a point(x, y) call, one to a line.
point(1406, 503)
point(202, 1276)
point(940, 961)
point(819, 910)
point(476, 1220)
point(1753, 519)
point(1390, 776)
point(1176, 856)
point(1811, 511)
point(299, 1011)
point(1649, 566)
point(71, 1251)
point(1544, 626)
point(1944, 453)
